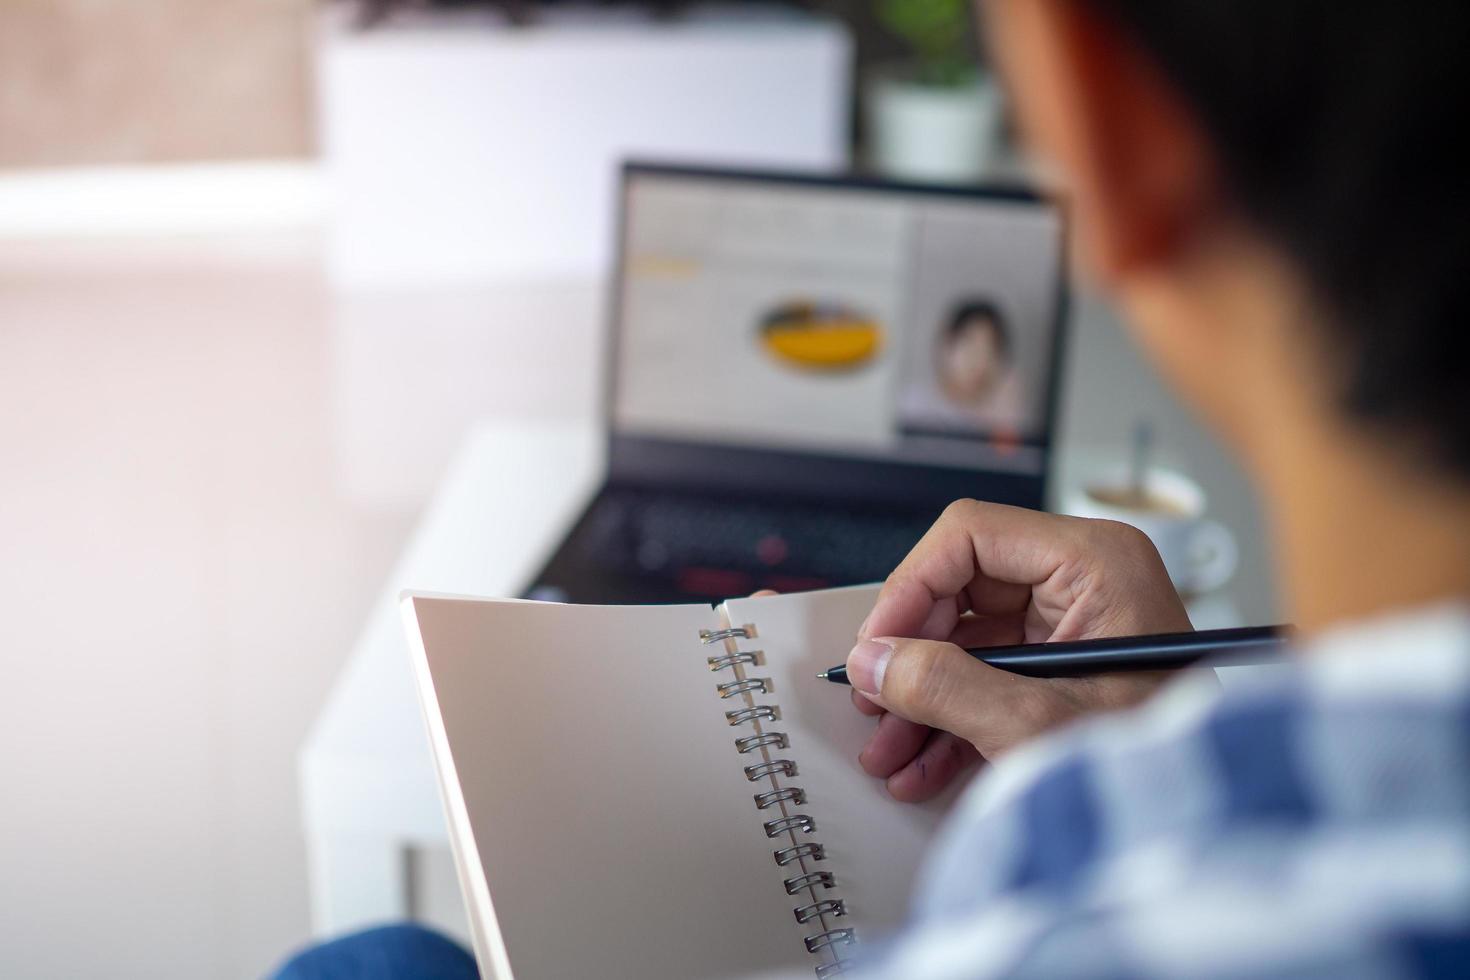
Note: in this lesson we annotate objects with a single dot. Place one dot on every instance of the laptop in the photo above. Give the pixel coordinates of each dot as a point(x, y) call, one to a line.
point(804, 371)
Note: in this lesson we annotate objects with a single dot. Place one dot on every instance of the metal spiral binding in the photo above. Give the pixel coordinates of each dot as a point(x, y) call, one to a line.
point(714, 636)
point(742, 715)
point(827, 906)
point(797, 852)
point(763, 769)
point(731, 660)
point(749, 743)
point(829, 938)
point(788, 824)
point(752, 685)
point(810, 879)
point(790, 794)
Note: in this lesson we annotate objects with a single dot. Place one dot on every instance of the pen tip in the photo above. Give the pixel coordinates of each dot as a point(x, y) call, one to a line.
point(822, 676)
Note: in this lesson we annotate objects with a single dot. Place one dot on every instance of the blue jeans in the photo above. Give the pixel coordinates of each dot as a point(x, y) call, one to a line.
point(401, 952)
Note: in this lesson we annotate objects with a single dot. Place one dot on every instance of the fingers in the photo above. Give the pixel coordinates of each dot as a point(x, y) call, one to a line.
point(977, 556)
point(942, 709)
point(940, 686)
point(989, 631)
point(942, 759)
point(864, 704)
point(894, 744)
point(1106, 692)
point(898, 744)
point(985, 575)
point(1073, 577)
point(969, 631)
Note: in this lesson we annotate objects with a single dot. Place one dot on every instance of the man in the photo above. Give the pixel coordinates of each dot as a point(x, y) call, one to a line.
point(1272, 191)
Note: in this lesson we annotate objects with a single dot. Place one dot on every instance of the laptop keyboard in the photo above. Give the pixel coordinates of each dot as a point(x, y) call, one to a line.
point(722, 546)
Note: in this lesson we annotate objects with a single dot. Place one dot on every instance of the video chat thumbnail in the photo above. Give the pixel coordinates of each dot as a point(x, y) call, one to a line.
point(893, 325)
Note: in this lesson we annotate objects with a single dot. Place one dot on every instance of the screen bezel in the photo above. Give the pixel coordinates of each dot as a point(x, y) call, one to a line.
point(768, 472)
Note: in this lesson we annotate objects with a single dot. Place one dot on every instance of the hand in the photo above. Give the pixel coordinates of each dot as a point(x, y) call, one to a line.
point(986, 575)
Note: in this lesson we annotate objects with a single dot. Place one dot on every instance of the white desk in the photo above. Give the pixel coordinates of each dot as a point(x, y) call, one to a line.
point(367, 780)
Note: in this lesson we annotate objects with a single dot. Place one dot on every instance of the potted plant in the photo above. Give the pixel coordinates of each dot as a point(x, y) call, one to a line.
point(936, 116)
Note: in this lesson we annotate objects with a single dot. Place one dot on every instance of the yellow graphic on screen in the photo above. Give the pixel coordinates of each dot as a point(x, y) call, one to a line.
point(820, 337)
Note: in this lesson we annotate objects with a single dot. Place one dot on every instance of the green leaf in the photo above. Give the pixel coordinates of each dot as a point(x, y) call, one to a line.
point(938, 33)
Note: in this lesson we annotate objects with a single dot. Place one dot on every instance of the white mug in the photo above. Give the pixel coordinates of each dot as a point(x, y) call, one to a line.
point(1200, 554)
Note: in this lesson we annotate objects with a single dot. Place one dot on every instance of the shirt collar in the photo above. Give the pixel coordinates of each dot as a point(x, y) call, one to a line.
point(1419, 651)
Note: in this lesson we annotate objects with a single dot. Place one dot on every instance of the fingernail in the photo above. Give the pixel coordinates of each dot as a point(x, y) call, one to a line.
point(866, 665)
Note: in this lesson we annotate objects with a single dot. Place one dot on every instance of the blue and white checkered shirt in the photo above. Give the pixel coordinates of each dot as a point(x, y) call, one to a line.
point(1307, 821)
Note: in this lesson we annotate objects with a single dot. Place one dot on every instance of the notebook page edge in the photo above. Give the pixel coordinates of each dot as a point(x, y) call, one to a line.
point(484, 929)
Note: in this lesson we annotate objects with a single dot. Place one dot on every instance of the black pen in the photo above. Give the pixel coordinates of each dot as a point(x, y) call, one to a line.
point(1161, 651)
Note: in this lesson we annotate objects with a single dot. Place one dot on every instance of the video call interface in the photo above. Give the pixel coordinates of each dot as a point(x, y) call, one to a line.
point(890, 325)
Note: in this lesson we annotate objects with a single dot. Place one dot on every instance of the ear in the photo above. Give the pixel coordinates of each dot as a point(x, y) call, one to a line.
point(1139, 170)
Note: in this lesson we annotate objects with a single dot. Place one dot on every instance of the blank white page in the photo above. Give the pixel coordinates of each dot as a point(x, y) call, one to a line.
point(601, 823)
point(874, 844)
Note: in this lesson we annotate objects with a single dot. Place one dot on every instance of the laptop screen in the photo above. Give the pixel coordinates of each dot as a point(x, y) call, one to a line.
point(841, 319)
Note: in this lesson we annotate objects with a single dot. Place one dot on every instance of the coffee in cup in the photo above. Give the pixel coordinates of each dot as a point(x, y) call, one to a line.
point(1200, 554)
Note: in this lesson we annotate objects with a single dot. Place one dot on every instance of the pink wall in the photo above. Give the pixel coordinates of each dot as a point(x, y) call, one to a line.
point(124, 81)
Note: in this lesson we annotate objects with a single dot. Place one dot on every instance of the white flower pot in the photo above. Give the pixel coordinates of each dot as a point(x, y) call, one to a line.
point(931, 133)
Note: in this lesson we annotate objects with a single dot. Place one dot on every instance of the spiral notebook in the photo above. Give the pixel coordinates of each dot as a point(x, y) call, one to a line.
point(661, 791)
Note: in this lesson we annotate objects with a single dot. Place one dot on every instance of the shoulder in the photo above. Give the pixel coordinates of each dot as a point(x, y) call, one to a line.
point(1317, 815)
point(1309, 746)
point(1046, 814)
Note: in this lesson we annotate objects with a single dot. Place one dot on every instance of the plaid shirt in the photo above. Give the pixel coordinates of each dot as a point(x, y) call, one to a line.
point(1311, 820)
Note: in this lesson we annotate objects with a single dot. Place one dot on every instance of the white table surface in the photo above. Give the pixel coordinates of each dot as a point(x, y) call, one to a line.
point(367, 780)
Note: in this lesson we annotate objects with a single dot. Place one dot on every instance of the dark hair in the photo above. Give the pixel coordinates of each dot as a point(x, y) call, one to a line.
point(1335, 124)
point(984, 309)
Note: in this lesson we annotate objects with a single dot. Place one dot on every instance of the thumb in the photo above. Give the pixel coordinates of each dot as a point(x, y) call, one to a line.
point(939, 685)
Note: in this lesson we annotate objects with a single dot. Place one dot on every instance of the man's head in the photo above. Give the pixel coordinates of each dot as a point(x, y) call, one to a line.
point(1223, 153)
